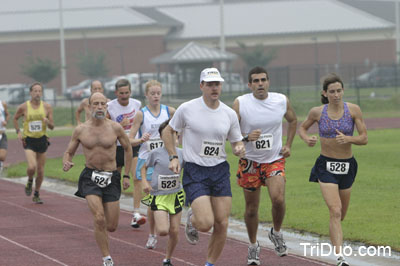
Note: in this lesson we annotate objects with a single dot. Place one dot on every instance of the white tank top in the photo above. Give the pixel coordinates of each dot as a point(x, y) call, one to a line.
point(205, 131)
point(118, 112)
point(266, 115)
point(2, 116)
point(150, 124)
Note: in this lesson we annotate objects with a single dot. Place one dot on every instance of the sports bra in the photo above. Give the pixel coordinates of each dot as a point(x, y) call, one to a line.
point(327, 127)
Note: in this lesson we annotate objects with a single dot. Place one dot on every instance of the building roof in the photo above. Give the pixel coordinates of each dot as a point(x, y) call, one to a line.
point(43, 15)
point(72, 19)
point(271, 18)
point(193, 52)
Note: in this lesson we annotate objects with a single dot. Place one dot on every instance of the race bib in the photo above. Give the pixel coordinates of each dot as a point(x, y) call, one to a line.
point(153, 144)
point(212, 149)
point(35, 126)
point(168, 182)
point(264, 142)
point(338, 168)
point(102, 179)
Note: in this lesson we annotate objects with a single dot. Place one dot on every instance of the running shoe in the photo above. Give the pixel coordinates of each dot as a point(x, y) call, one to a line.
point(28, 188)
point(151, 242)
point(277, 240)
point(137, 220)
point(191, 233)
point(167, 263)
point(36, 199)
point(108, 262)
point(342, 262)
point(253, 258)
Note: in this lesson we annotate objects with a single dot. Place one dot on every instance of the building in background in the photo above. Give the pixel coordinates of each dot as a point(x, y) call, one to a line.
point(321, 35)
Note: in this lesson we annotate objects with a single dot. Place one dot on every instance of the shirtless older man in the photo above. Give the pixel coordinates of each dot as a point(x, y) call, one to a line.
point(100, 182)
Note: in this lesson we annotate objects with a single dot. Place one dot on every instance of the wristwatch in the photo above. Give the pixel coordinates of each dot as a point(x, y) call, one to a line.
point(171, 157)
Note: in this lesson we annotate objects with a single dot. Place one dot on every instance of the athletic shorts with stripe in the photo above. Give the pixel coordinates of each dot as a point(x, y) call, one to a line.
point(171, 203)
point(252, 175)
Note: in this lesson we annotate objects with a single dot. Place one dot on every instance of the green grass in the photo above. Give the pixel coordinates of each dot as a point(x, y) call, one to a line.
point(374, 213)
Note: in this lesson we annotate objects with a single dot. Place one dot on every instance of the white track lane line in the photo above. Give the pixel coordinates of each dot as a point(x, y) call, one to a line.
point(91, 230)
point(32, 250)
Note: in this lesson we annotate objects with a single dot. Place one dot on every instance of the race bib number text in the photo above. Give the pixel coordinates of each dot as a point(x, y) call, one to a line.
point(153, 144)
point(338, 168)
point(264, 142)
point(168, 182)
point(211, 149)
point(35, 126)
point(102, 179)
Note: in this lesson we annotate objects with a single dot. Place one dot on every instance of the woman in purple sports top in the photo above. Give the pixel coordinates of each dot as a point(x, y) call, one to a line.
point(336, 168)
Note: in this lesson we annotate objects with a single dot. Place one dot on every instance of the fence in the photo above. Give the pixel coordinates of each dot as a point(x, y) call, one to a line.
point(374, 88)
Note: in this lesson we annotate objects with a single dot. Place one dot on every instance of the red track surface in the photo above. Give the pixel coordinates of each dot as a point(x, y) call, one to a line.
point(60, 232)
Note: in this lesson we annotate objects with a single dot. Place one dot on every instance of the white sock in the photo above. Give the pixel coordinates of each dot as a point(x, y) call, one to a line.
point(254, 245)
point(107, 258)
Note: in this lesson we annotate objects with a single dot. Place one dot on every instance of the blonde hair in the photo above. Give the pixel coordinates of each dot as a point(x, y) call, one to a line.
point(152, 83)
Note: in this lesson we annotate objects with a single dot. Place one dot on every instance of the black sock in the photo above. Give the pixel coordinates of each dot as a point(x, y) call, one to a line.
point(36, 194)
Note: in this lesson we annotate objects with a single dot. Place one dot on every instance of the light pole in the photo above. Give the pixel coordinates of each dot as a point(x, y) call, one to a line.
point(316, 64)
point(222, 33)
point(62, 51)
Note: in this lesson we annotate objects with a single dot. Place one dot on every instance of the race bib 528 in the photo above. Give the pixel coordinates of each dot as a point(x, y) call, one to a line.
point(35, 126)
point(338, 168)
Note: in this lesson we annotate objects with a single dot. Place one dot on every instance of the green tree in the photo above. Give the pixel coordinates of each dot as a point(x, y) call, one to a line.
point(92, 64)
point(256, 56)
point(42, 70)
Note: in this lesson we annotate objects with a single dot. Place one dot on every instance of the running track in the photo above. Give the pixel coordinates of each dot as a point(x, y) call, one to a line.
point(59, 232)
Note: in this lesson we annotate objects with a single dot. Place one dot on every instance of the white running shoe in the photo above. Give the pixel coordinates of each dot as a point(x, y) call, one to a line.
point(342, 262)
point(191, 233)
point(151, 242)
point(137, 220)
point(277, 240)
point(253, 258)
point(108, 262)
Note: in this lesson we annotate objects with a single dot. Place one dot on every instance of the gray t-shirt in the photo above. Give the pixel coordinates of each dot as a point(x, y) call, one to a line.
point(163, 180)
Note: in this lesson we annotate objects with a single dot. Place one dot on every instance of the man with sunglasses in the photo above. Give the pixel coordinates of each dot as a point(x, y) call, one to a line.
point(260, 115)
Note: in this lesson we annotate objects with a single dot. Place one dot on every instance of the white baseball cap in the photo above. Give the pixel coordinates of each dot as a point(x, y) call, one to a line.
point(210, 74)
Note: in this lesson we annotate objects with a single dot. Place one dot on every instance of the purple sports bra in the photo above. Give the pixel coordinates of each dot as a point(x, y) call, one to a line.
point(327, 127)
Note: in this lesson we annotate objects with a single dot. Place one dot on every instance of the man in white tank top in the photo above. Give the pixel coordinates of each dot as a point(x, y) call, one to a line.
point(144, 134)
point(260, 115)
point(4, 117)
point(123, 110)
point(205, 124)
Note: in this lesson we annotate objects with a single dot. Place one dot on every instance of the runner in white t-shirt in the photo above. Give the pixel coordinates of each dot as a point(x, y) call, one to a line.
point(205, 124)
point(4, 117)
point(144, 132)
point(123, 110)
point(260, 114)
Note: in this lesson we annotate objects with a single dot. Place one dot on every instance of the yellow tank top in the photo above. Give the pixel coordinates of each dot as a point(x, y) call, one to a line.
point(34, 126)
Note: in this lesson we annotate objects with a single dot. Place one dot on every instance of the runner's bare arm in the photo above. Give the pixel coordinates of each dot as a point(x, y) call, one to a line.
point(137, 121)
point(79, 110)
point(124, 140)
point(312, 117)
point(169, 138)
point(291, 118)
point(49, 116)
point(362, 138)
point(236, 107)
point(6, 114)
point(71, 149)
point(18, 114)
point(171, 111)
